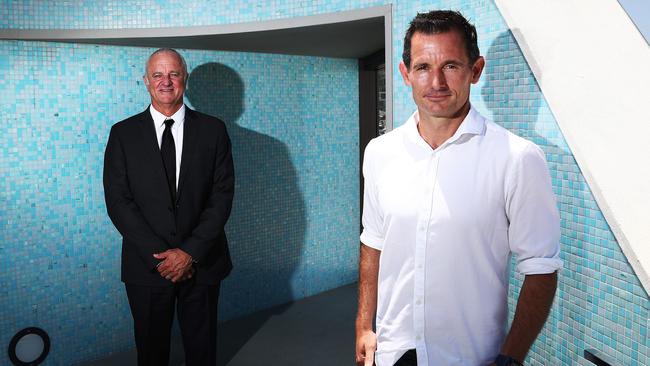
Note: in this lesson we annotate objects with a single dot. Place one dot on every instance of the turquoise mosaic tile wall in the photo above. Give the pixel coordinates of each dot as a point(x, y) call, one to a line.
point(111, 14)
point(293, 122)
point(600, 302)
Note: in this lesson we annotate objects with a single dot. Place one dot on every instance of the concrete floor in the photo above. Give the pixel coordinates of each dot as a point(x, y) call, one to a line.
point(318, 330)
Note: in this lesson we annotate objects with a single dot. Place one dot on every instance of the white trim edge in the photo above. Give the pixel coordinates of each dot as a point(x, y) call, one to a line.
point(592, 65)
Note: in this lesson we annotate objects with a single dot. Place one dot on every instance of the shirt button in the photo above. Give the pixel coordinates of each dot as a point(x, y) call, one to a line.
point(419, 302)
point(418, 338)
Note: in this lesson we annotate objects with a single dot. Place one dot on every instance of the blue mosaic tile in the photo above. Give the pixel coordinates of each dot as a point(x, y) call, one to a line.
point(298, 188)
point(293, 122)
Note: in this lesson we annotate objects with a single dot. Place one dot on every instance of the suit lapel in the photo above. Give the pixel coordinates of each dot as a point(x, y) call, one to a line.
point(151, 148)
point(190, 140)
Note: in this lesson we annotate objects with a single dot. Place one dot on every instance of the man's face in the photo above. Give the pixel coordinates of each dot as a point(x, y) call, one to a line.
point(165, 81)
point(440, 74)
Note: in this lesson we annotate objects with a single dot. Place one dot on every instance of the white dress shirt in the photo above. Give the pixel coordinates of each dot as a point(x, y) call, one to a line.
point(446, 222)
point(177, 132)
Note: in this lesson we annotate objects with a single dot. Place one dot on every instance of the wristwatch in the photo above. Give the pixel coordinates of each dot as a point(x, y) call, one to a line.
point(503, 360)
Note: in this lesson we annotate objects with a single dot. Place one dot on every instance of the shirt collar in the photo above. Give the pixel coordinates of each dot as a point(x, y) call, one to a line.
point(159, 118)
point(473, 124)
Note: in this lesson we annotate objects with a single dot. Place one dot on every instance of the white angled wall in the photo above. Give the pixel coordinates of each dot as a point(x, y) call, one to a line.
point(593, 67)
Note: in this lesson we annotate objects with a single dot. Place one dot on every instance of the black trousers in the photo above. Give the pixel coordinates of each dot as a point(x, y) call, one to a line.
point(152, 308)
point(410, 358)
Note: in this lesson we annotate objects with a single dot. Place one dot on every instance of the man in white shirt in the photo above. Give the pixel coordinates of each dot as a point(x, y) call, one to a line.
point(448, 197)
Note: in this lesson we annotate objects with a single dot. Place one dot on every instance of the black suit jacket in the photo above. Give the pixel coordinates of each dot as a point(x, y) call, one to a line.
point(141, 208)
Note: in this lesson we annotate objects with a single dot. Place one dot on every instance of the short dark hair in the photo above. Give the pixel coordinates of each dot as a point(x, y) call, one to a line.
point(441, 21)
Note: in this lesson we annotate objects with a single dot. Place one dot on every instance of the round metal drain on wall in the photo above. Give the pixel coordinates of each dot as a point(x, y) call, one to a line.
point(29, 347)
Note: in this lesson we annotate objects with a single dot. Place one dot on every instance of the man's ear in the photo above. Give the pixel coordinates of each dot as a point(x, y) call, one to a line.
point(146, 81)
point(403, 70)
point(477, 69)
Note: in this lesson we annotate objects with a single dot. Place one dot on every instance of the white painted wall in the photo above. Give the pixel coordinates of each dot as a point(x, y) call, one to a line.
point(593, 67)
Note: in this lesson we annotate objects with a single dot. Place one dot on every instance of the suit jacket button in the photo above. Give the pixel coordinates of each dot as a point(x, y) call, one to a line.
point(169, 208)
point(173, 233)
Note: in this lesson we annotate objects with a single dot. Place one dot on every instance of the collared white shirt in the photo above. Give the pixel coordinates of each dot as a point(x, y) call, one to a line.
point(446, 222)
point(177, 132)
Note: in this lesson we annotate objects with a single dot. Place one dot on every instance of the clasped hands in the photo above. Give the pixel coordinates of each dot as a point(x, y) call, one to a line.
point(176, 265)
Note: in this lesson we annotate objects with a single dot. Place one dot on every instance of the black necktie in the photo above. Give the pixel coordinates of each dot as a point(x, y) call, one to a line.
point(168, 153)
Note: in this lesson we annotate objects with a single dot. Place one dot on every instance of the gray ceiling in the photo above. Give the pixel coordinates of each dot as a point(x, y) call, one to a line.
point(351, 39)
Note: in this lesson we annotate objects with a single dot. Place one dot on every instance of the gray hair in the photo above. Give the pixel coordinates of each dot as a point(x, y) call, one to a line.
point(166, 50)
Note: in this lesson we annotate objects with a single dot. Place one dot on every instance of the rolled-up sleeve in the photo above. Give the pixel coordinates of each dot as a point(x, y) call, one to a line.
point(534, 231)
point(372, 218)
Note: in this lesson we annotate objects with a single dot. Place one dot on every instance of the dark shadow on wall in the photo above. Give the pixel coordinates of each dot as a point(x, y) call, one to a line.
point(513, 95)
point(509, 93)
point(266, 230)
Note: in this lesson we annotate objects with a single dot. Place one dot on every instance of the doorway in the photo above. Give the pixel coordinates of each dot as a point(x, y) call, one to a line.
point(372, 105)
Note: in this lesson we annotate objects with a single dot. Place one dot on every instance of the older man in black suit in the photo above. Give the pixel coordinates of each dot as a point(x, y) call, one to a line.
point(169, 184)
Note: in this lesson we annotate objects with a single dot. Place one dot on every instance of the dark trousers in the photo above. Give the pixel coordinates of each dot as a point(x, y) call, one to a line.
point(410, 358)
point(153, 313)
